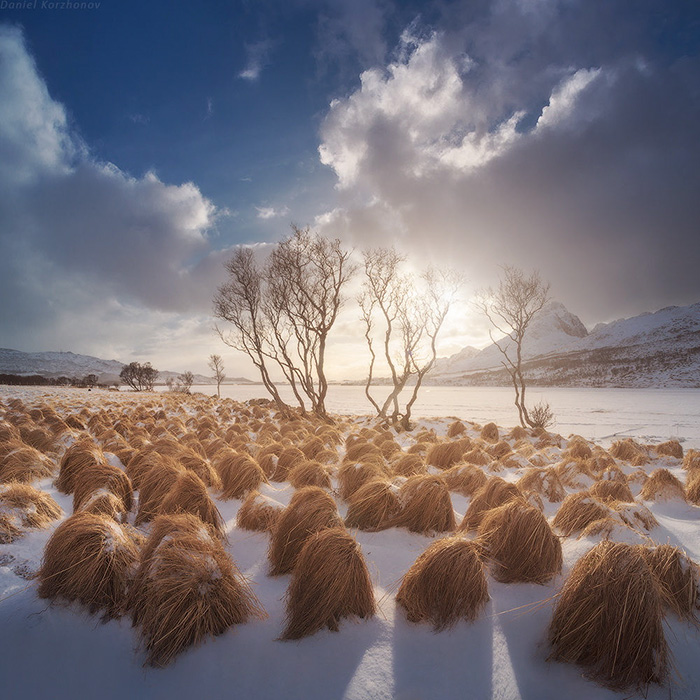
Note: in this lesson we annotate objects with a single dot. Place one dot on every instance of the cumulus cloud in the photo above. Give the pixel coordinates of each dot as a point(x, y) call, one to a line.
point(78, 235)
point(516, 134)
point(271, 212)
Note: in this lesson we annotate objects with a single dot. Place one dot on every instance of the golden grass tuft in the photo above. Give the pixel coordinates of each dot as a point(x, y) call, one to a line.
point(678, 577)
point(353, 475)
point(446, 584)
point(520, 543)
point(25, 464)
point(310, 510)
point(577, 512)
point(578, 448)
point(446, 454)
point(456, 428)
point(495, 492)
point(288, 458)
point(662, 486)
point(574, 474)
point(426, 506)
point(635, 515)
point(310, 473)
point(610, 490)
point(186, 590)
point(608, 619)
point(373, 507)
point(630, 451)
point(9, 527)
point(489, 433)
point(408, 465)
point(239, 473)
point(670, 448)
point(517, 433)
point(98, 477)
point(89, 559)
point(465, 479)
point(330, 583)
point(155, 484)
point(189, 495)
point(199, 465)
point(39, 438)
point(691, 461)
point(543, 481)
point(258, 513)
point(76, 458)
point(477, 457)
point(364, 452)
point(27, 506)
point(692, 487)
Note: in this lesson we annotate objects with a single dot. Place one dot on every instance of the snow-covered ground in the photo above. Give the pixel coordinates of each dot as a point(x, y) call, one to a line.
point(60, 651)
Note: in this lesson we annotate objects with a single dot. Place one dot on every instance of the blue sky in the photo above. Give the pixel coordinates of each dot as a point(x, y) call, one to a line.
point(142, 141)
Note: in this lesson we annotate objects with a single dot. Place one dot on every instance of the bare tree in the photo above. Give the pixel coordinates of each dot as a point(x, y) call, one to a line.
point(511, 308)
point(407, 313)
point(216, 365)
point(184, 382)
point(283, 312)
point(140, 377)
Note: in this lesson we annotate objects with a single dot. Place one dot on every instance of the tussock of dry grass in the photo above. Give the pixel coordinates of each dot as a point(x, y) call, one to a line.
point(446, 584)
point(577, 512)
point(28, 507)
point(477, 457)
point(692, 487)
point(574, 474)
point(691, 461)
point(310, 473)
point(408, 465)
point(239, 474)
point(189, 495)
point(259, 513)
point(518, 540)
point(196, 463)
point(662, 486)
point(373, 507)
point(608, 619)
point(310, 510)
point(611, 490)
point(106, 477)
point(677, 575)
point(364, 452)
point(578, 448)
point(155, 485)
point(446, 454)
point(489, 432)
point(352, 475)
point(288, 458)
point(89, 559)
point(543, 481)
point(495, 492)
point(426, 506)
point(25, 464)
point(636, 515)
point(670, 448)
point(630, 451)
point(330, 583)
point(465, 479)
point(186, 590)
point(39, 438)
point(76, 458)
point(455, 429)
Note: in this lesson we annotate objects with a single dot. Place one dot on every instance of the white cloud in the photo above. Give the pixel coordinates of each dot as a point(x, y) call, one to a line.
point(271, 212)
point(258, 56)
point(563, 99)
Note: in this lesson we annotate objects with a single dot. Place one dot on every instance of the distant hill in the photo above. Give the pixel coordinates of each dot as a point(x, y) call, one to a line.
point(659, 349)
point(69, 364)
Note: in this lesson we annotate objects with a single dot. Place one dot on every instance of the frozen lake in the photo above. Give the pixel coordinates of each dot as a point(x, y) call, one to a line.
point(651, 415)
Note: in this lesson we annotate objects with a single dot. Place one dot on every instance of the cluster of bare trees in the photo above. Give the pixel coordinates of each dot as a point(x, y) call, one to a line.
point(282, 308)
point(140, 377)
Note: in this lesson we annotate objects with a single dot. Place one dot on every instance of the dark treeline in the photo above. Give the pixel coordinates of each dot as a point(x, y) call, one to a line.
point(38, 380)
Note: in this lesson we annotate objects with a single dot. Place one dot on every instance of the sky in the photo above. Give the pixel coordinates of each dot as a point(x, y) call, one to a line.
point(140, 143)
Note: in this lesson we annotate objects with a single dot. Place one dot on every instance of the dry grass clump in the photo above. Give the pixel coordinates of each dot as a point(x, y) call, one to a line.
point(670, 448)
point(662, 486)
point(9, 527)
point(489, 432)
point(578, 448)
point(353, 475)
point(373, 507)
point(465, 479)
point(577, 512)
point(613, 473)
point(330, 582)
point(310, 510)
point(155, 485)
point(189, 495)
point(25, 464)
point(39, 438)
point(574, 474)
point(426, 506)
point(446, 454)
point(456, 428)
point(364, 452)
point(692, 487)
point(186, 590)
point(520, 543)
point(312, 446)
point(446, 584)
point(239, 474)
point(495, 492)
point(97, 479)
point(517, 433)
point(76, 458)
point(635, 515)
point(543, 481)
point(26, 506)
point(629, 451)
point(608, 619)
point(89, 559)
point(678, 578)
point(419, 448)
point(196, 463)
point(500, 449)
point(408, 465)
point(477, 457)
point(691, 461)
point(389, 448)
point(258, 513)
point(611, 490)
point(310, 473)
point(287, 459)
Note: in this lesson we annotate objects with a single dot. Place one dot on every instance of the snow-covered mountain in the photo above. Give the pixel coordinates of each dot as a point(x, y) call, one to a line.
point(69, 364)
point(653, 349)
